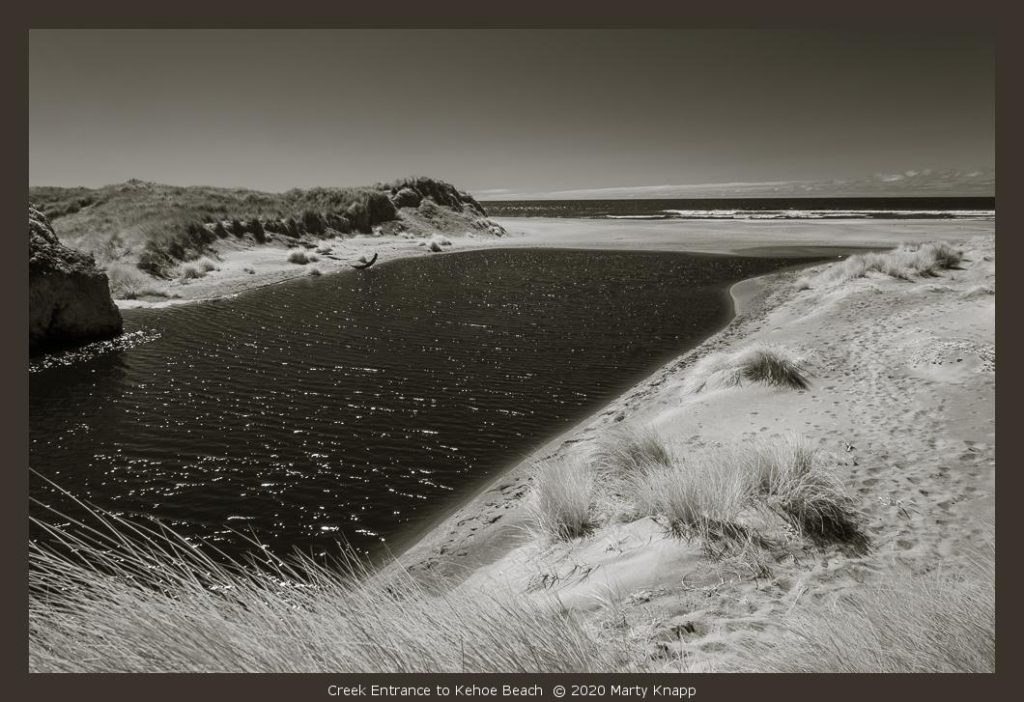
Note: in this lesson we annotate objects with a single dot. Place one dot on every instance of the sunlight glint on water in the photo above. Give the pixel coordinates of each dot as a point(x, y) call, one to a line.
point(353, 407)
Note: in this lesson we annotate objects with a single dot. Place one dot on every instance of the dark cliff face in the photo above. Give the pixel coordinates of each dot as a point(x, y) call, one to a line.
point(69, 297)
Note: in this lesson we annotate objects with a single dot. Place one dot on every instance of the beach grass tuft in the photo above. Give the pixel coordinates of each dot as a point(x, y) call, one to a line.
point(698, 494)
point(721, 494)
point(792, 477)
point(298, 256)
point(563, 499)
point(772, 365)
point(767, 364)
point(191, 271)
point(126, 282)
point(631, 449)
point(207, 264)
point(906, 262)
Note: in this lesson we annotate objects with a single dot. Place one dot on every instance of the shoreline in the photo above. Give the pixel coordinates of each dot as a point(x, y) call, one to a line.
point(901, 399)
point(490, 504)
point(766, 238)
point(272, 268)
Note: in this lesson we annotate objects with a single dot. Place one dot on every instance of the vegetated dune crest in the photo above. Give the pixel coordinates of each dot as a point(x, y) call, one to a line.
point(154, 240)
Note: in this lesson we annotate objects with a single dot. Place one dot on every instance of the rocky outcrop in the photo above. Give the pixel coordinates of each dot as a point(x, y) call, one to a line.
point(69, 297)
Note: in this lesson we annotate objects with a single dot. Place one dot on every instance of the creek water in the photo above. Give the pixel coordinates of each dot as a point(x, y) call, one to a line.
point(352, 408)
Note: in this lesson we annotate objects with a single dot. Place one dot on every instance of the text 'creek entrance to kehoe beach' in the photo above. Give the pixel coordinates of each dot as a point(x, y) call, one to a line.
point(352, 408)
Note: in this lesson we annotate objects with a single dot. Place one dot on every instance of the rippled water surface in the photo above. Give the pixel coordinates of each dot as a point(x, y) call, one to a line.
point(354, 407)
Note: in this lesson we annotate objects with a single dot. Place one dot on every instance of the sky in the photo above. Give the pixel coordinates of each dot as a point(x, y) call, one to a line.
point(512, 113)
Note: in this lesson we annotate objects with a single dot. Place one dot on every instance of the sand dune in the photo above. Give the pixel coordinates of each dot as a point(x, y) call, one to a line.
point(902, 400)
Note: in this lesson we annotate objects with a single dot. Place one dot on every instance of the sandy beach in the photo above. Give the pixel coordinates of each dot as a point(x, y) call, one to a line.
point(242, 267)
point(900, 397)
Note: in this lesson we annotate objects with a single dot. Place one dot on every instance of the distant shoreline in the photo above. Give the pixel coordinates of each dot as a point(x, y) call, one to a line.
point(270, 264)
point(750, 208)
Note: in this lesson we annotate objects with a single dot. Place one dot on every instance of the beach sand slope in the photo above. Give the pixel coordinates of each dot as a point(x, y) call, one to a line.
point(901, 395)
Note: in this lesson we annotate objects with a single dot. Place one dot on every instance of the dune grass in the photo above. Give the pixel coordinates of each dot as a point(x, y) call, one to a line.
point(113, 596)
point(728, 496)
point(563, 500)
point(940, 622)
point(699, 494)
point(207, 264)
point(762, 363)
point(126, 282)
point(159, 226)
point(299, 257)
point(905, 262)
point(723, 494)
point(191, 271)
point(794, 478)
point(631, 449)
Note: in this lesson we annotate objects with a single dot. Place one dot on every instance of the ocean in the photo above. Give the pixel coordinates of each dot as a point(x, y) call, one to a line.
point(752, 208)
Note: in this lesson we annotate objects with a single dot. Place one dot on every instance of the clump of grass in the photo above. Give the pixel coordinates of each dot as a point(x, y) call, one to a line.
point(791, 477)
point(723, 493)
point(298, 256)
point(126, 282)
point(767, 364)
point(314, 271)
point(772, 365)
point(701, 494)
point(905, 262)
point(934, 623)
point(944, 254)
point(618, 457)
point(191, 271)
point(563, 499)
point(630, 450)
point(207, 264)
point(113, 596)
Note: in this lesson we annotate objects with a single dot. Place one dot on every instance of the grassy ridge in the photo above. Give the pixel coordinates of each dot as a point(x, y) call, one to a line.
point(157, 226)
